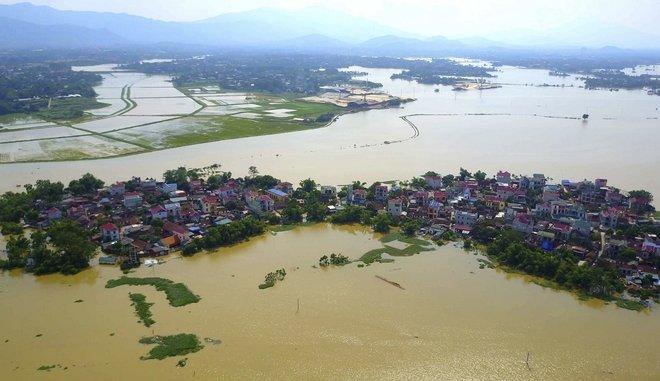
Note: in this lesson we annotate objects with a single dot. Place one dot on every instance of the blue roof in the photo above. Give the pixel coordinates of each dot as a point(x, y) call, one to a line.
point(277, 192)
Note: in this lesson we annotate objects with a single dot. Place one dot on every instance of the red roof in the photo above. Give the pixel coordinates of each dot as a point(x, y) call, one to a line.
point(174, 228)
point(156, 209)
point(109, 226)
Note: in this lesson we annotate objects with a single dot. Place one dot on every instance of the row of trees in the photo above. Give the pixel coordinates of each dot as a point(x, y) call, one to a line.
point(224, 235)
point(559, 266)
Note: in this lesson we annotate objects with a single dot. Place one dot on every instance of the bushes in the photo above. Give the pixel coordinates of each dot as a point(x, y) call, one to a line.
point(272, 277)
point(559, 266)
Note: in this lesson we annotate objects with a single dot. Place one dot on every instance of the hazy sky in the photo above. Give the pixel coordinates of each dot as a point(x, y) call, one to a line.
point(424, 17)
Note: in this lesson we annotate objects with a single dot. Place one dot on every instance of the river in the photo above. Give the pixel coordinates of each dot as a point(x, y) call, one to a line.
point(522, 127)
point(452, 320)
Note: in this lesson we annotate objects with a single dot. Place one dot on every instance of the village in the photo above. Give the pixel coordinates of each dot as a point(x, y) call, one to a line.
point(140, 219)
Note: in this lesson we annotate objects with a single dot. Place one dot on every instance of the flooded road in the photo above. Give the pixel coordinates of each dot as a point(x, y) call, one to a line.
point(452, 321)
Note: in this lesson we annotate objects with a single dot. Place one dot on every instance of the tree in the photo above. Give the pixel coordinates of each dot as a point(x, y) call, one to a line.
point(308, 185)
point(464, 173)
point(18, 248)
point(73, 248)
point(410, 227)
point(418, 182)
point(86, 184)
point(480, 176)
point(316, 211)
point(381, 223)
point(448, 180)
point(46, 191)
point(292, 213)
point(178, 176)
point(627, 254)
point(253, 171)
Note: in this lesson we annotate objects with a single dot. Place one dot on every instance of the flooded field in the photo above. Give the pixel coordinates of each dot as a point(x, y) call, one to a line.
point(451, 321)
point(522, 126)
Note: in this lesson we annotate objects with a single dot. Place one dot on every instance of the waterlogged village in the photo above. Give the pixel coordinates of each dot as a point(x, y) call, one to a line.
point(585, 236)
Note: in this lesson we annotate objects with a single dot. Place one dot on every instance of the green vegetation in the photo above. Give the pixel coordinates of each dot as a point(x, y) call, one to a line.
point(68, 250)
point(69, 108)
point(232, 233)
point(142, 308)
point(630, 304)
point(11, 228)
point(334, 260)
point(177, 293)
point(560, 266)
point(403, 238)
point(376, 254)
point(27, 88)
point(272, 278)
point(171, 346)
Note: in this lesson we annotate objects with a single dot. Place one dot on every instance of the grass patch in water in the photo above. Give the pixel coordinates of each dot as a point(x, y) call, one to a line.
point(142, 308)
point(630, 304)
point(171, 346)
point(177, 293)
point(375, 255)
point(397, 236)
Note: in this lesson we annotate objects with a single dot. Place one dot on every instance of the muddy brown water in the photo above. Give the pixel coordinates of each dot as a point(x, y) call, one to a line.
point(452, 321)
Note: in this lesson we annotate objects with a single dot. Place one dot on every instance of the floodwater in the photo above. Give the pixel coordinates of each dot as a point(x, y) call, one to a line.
point(451, 321)
point(530, 133)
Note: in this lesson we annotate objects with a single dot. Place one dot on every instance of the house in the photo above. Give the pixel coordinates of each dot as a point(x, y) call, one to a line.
point(422, 198)
point(609, 218)
point(266, 204)
point(523, 223)
point(550, 193)
point(440, 196)
point(582, 227)
point(381, 192)
point(359, 197)
point(180, 232)
point(173, 209)
point(328, 192)
point(494, 202)
point(169, 188)
point(279, 196)
point(209, 203)
point(170, 242)
point(512, 211)
point(109, 232)
point(537, 181)
point(464, 218)
point(158, 212)
point(132, 200)
point(285, 187)
point(434, 209)
point(651, 245)
point(503, 177)
point(117, 189)
point(53, 214)
point(434, 181)
point(395, 206)
point(561, 230)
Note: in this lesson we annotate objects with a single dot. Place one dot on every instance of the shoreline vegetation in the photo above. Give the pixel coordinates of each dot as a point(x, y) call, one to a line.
point(237, 209)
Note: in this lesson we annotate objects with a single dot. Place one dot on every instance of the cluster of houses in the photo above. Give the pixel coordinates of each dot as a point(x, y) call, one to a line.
point(153, 218)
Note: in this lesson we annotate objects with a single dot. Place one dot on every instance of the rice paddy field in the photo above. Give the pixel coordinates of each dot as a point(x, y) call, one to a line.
point(136, 113)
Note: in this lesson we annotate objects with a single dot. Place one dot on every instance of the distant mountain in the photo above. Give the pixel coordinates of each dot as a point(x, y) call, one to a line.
point(256, 27)
point(17, 34)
